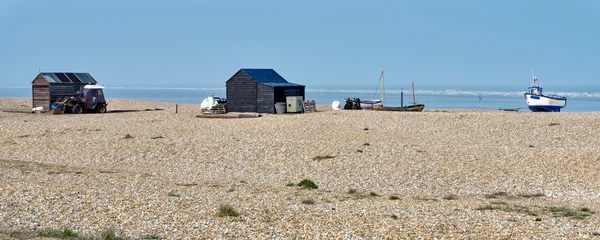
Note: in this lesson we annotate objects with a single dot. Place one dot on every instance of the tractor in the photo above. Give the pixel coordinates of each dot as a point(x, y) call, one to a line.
point(90, 100)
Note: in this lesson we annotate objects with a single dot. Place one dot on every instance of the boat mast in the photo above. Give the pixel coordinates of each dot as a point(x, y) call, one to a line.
point(413, 90)
point(382, 89)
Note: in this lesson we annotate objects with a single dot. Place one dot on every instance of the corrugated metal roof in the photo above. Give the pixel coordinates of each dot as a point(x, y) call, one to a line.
point(62, 77)
point(269, 77)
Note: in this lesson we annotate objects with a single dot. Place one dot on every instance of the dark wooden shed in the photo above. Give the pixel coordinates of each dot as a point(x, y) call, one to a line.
point(47, 87)
point(257, 90)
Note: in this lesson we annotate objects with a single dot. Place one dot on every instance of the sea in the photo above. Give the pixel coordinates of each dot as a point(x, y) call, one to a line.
point(582, 100)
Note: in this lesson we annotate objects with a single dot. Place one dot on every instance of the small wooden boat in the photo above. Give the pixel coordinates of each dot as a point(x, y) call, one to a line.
point(410, 108)
point(404, 108)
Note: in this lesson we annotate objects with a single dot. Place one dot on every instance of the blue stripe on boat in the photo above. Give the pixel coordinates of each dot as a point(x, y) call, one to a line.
point(535, 97)
point(545, 108)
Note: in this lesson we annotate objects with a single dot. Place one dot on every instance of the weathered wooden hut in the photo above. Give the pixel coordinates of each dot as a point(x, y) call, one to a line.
point(257, 90)
point(47, 87)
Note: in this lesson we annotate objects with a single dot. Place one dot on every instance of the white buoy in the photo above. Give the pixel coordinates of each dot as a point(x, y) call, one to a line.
point(207, 103)
point(335, 105)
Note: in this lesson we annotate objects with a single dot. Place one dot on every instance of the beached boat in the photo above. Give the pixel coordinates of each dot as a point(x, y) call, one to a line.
point(409, 108)
point(538, 102)
point(374, 101)
point(403, 108)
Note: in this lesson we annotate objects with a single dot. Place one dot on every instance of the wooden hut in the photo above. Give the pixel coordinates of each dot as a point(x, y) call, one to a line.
point(257, 90)
point(47, 87)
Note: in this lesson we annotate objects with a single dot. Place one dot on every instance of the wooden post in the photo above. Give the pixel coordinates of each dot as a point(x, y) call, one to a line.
point(401, 97)
point(176, 108)
point(413, 88)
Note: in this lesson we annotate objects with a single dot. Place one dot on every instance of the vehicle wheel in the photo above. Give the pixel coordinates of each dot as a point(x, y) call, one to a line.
point(77, 109)
point(101, 109)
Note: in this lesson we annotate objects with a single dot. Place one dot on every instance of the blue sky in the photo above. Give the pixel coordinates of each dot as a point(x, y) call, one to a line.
point(472, 44)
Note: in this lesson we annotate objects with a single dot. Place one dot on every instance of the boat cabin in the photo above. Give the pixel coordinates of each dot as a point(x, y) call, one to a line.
point(535, 90)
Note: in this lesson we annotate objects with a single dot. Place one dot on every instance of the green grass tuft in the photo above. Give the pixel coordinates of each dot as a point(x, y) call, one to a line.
point(394, 197)
point(450, 197)
point(373, 194)
point(172, 194)
point(65, 233)
point(153, 236)
point(290, 184)
point(227, 211)
point(307, 184)
point(497, 195)
point(308, 202)
point(585, 209)
point(319, 158)
point(535, 195)
point(487, 207)
point(580, 214)
point(352, 191)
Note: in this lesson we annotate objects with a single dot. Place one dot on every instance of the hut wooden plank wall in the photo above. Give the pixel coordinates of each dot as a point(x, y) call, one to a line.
point(257, 90)
point(47, 87)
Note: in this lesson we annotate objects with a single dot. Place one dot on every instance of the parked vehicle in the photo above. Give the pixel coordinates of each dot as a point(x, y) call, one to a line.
point(91, 100)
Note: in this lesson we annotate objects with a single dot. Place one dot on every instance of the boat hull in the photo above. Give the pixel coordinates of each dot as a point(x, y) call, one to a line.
point(542, 103)
point(411, 108)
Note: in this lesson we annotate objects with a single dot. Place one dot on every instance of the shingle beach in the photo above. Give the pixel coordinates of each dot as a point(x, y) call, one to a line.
point(439, 174)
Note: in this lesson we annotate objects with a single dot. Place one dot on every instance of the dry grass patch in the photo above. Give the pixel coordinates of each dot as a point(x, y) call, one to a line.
point(496, 195)
point(450, 197)
point(577, 214)
point(112, 234)
point(186, 184)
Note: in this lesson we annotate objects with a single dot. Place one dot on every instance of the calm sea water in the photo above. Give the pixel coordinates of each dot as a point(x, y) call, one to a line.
point(578, 101)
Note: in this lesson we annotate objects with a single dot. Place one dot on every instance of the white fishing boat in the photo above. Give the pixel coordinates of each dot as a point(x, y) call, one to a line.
point(538, 102)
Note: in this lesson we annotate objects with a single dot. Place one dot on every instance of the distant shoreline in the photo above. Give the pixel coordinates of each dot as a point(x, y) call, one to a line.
point(17, 104)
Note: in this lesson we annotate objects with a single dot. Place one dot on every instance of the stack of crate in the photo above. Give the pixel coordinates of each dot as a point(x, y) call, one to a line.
point(309, 106)
point(219, 108)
